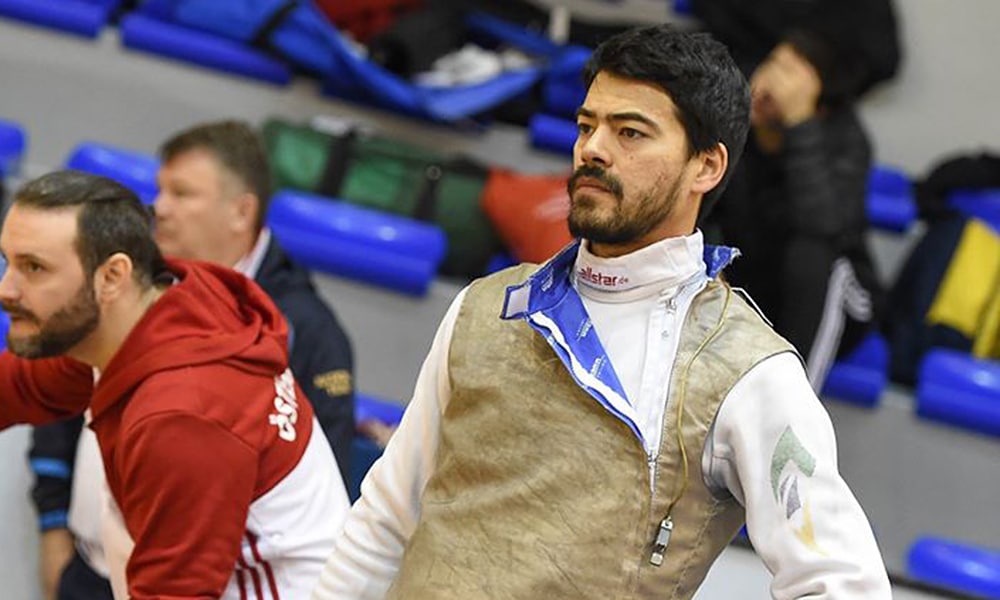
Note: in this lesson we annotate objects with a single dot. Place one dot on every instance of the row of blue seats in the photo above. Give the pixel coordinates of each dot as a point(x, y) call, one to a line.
point(333, 237)
point(952, 387)
point(890, 201)
point(403, 255)
point(375, 247)
point(148, 28)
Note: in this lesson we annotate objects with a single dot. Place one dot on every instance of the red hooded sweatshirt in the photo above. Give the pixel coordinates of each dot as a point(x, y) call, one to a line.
point(205, 439)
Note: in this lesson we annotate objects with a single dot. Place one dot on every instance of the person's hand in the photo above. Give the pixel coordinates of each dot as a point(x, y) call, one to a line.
point(55, 549)
point(785, 88)
point(377, 431)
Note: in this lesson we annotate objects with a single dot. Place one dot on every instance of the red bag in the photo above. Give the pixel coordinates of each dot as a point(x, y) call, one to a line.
point(529, 213)
point(365, 18)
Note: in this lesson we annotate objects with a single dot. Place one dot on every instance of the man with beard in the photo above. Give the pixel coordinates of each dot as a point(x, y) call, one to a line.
point(219, 481)
point(215, 185)
point(601, 425)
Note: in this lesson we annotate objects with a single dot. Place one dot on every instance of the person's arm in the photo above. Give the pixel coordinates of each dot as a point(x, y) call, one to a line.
point(55, 551)
point(773, 449)
point(51, 457)
point(322, 361)
point(42, 390)
point(826, 167)
point(186, 487)
point(825, 155)
point(366, 557)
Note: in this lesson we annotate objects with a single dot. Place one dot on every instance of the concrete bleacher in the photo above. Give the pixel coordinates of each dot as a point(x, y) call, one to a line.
point(912, 476)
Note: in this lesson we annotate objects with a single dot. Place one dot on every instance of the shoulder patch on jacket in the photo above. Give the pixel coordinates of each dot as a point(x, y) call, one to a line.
point(335, 383)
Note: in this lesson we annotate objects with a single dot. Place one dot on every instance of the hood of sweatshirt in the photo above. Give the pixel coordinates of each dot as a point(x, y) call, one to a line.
point(209, 314)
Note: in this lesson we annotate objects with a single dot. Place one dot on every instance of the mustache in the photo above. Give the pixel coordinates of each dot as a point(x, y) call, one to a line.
point(610, 182)
point(15, 311)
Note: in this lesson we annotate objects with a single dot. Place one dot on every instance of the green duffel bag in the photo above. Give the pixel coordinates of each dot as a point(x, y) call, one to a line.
point(392, 176)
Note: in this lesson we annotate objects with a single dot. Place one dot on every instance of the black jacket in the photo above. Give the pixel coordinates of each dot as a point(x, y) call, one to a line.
point(321, 360)
point(793, 214)
point(862, 35)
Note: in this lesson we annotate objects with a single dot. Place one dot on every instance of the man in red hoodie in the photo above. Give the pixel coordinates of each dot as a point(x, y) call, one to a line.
point(217, 486)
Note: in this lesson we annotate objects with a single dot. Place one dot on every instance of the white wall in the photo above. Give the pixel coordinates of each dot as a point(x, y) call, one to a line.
point(946, 96)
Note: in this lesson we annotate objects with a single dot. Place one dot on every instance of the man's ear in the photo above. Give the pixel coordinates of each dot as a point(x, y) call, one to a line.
point(712, 168)
point(112, 278)
point(244, 214)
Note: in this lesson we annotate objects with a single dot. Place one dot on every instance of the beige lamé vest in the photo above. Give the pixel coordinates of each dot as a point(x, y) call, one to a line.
point(540, 492)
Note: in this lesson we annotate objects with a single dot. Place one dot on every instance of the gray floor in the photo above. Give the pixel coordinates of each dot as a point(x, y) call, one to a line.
point(65, 90)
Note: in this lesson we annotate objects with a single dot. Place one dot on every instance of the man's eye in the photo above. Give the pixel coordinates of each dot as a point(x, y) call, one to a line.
point(583, 128)
point(631, 134)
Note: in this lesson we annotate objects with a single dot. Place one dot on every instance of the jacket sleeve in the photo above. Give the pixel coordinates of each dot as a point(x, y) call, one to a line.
point(773, 449)
point(42, 390)
point(187, 484)
point(826, 165)
point(52, 456)
point(322, 361)
point(367, 554)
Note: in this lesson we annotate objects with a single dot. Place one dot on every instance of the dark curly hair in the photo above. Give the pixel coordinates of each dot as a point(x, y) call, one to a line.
point(699, 75)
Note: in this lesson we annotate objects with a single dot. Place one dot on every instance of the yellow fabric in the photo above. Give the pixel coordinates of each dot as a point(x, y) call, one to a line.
point(968, 298)
point(987, 343)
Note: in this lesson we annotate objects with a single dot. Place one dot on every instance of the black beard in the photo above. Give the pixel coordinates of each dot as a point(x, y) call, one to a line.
point(66, 328)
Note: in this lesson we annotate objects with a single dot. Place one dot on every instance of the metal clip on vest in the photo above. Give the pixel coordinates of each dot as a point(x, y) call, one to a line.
point(662, 541)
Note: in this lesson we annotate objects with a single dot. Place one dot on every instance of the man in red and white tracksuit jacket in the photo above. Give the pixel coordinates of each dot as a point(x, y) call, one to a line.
point(221, 483)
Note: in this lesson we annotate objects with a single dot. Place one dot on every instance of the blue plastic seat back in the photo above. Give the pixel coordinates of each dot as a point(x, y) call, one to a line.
point(683, 7)
point(134, 170)
point(890, 203)
point(499, 262)
point(368, 407)
point(13, 141)
point(364, 452)
point(955, 566)
point(80, 17)
point(379, 248)
point(552, 133)
point(955, 388)
point(861, 376)
point(980, 204)
point(562, 89)
point(362, 80)
point(143, 32)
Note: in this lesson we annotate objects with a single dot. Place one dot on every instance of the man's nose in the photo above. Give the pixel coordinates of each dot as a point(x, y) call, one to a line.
point(593, 149)
point(8, 289)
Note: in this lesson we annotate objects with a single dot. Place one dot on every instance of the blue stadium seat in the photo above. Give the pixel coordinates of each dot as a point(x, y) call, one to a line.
point(80, 17)
point(955, 566)
point(860, 377)
point(552, 133)
point(500, 262)
point(359, 243)
point(562, 88)
point(12, 144)
point(955, 388)
point(134, 170)
point(142, 32)
point(364, 452)
point(683, 7)
point(890, 203)
point(981, 204)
